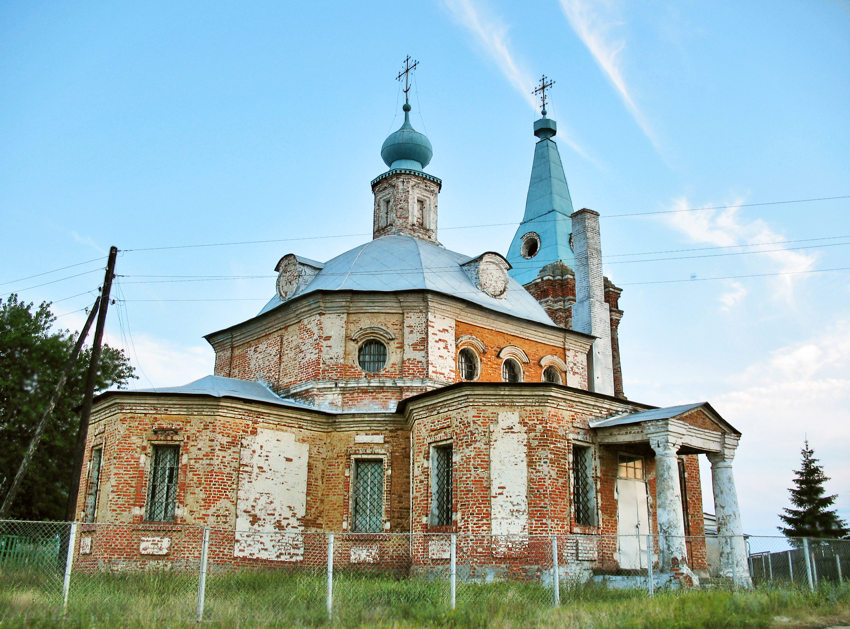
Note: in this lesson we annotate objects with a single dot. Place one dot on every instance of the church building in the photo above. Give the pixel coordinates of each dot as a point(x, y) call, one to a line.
point(400, 387)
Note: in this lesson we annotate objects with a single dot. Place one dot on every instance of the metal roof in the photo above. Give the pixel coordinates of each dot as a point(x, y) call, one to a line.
point(548, 207)
point(219, 386)
point(644, 416)
point(400, 262)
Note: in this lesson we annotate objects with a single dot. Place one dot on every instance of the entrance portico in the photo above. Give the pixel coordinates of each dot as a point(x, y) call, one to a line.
point(670, 433)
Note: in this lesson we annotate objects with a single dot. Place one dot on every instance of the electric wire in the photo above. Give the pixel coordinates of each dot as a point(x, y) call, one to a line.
point(122, 306)
point(61, 268)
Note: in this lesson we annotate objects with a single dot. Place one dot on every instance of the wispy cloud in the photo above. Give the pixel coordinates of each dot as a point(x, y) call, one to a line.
point(734, 296)
point(725, 228)
point(87, 241)
point(593, 21)
point(491, 34)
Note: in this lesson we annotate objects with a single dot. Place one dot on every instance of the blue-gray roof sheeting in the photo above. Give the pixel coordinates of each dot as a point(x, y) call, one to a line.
point(400, 263)
point(219, 386)
point(644, 416)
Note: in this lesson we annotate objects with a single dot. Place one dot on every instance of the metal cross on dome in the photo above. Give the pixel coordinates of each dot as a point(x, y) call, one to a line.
point(408, 68)
point(544, 85)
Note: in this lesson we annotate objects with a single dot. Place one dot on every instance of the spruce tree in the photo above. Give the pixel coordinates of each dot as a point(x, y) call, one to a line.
point(810, 515)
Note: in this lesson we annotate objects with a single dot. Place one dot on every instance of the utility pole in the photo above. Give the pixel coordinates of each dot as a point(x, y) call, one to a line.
point(42, 423)
point(91, 380)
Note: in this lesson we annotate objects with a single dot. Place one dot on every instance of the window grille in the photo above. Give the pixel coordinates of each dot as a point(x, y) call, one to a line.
point(162, 494)
point(441, 485)
point(467, 364)
point(511, 371)
point(368, 496)
point(372, 355)
point(583, 488)
point(94, 482)
point(551, 375)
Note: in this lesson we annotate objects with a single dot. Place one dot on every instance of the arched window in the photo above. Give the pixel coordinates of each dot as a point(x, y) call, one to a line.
point(467, 363)
point(552, 375)
point(372, 356)
point(511, 371)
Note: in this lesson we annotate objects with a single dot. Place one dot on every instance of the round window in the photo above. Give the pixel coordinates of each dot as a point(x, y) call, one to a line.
point(551, 375)
point(467, 363)
point(372, 356)
point(530, 245)
point(511, 371)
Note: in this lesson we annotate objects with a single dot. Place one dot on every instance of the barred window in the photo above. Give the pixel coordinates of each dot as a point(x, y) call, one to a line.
point(467, 363)
point(162, 493)
point(552, 375)
point(511, 371)
point(372, 356)
point(441, 485)
point(584, 493)
point(367, 496)
point(93, 484)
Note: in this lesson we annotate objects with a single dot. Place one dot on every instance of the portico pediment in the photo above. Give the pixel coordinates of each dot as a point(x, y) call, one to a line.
point(694, 427)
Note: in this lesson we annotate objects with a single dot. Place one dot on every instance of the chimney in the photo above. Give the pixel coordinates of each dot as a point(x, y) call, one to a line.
point(591, 313)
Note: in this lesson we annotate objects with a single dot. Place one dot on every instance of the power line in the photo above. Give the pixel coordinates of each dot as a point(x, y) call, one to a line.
point(738, 277)
point(61, 279)
point(61, 268)
point(479, 226)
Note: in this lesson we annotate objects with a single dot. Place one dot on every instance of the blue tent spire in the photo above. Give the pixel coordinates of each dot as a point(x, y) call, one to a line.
point(543, 236)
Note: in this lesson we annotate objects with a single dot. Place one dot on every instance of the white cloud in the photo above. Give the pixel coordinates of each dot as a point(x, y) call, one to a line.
point(88, 241)
point(593, 21)
point(800, 391)
point(724, 228)
point(491, 34)
point(733, 297)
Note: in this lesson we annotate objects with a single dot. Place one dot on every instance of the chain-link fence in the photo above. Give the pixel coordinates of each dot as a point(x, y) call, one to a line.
point(164, 573)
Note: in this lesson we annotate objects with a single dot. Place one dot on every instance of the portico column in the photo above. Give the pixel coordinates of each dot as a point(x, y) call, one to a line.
point(733, 552)
point(671, 523)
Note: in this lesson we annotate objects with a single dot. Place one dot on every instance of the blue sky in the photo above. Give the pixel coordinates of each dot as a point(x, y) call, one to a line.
point(175, 124)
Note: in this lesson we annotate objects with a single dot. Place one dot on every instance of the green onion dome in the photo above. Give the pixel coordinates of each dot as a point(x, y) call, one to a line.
point(407, 148)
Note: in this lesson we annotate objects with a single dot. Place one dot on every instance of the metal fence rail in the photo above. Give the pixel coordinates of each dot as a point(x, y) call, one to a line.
point(164, 573)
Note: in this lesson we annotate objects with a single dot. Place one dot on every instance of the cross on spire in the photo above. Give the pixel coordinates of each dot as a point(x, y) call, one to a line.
point(408, 68)
point(544, 85)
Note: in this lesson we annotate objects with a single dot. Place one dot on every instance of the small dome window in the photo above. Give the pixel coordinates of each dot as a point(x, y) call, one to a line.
point(511, 371)
point(467, 363)
point(372, 356)
point(552, 375)
point(530, 246)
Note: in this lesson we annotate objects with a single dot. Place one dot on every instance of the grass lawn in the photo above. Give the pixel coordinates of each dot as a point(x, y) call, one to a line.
point(266, 598)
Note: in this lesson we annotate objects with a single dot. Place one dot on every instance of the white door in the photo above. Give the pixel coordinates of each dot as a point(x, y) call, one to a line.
point(632, 514)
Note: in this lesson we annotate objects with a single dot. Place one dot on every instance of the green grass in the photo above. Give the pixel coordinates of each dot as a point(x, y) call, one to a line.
point(288, 599)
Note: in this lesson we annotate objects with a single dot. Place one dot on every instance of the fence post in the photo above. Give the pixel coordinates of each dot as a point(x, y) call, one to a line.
point(202, 577)
point(556, 576)
point(770, 565)
point(453, 569)
point(838, 568)
point(330, 601)
point(808, 563)
point(649, 565)
point(69, 561)
point(791, 565)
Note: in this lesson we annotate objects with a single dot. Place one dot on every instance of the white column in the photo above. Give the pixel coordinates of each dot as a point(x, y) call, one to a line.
point(730, 534)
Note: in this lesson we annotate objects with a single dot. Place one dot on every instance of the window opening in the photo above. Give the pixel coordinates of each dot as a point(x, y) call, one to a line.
point(630, 466)
point(441, 485)
point(467, 363)
point(511, 371)
point(372, 356)
point(683, 492)
point(551, 375)
point(162, 494)
point(583, 486)
point(93, 484)
point(368, 496)
point(530, 245)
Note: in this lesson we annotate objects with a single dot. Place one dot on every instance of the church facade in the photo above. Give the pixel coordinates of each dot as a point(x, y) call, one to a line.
point(400, 387)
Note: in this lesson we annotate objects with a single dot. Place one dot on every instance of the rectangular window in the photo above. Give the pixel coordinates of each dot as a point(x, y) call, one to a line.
point(630, 466)
point(367, 496)
point(584, 493)
point(441, 485)
point(93, 484)
point(162, 492)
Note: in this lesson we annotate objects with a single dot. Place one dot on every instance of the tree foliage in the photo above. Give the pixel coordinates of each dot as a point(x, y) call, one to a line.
point(32, 356)
point(810, 515)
